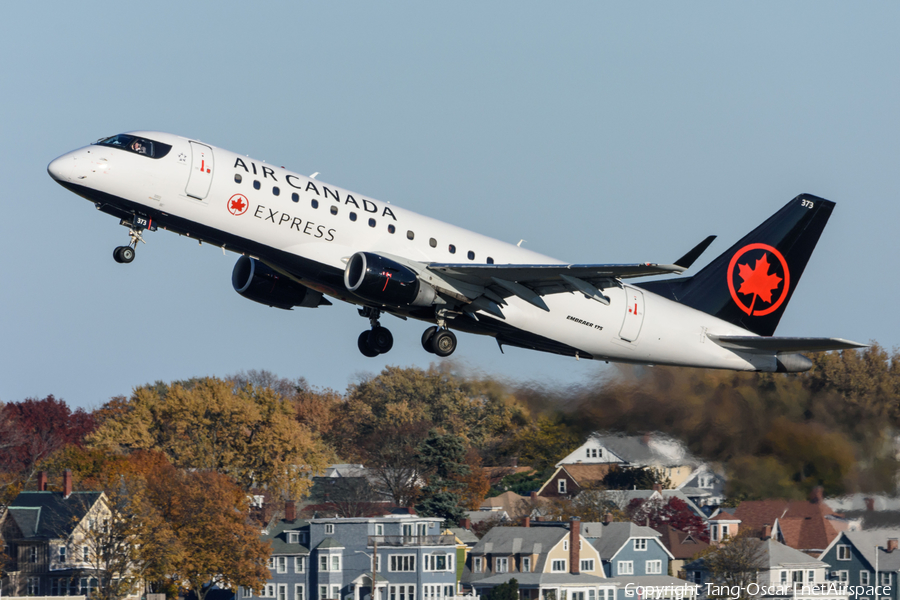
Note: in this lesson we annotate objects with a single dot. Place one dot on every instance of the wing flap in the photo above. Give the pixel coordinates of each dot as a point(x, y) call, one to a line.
point(531, 275)
point(779, 345)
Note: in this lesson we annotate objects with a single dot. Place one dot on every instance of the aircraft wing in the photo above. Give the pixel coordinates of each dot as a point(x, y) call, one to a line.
point(779, 345)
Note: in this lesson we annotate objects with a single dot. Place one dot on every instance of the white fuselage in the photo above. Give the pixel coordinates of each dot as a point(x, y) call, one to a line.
point(324, 225)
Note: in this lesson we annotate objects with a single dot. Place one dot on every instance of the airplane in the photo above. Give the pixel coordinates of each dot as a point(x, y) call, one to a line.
point(302, 241)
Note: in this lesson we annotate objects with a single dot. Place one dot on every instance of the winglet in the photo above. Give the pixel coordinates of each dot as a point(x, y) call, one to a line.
point(688, 259)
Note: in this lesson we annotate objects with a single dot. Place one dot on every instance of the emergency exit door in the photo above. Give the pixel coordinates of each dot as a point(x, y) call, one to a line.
point(201, 171)
point(634, 314)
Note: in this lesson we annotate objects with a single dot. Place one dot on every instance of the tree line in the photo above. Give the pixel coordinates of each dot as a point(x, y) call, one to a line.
point(426, 434)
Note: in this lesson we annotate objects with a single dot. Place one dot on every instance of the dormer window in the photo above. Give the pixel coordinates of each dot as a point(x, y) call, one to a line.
point(329, 528)
point(293, 537)
point(62, 554)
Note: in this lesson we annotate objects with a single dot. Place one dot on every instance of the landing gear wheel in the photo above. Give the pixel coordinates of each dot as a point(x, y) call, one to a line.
point(426, 339)
point(443, 343)
point(381, 340)
point(364, 347)
point(123, 254)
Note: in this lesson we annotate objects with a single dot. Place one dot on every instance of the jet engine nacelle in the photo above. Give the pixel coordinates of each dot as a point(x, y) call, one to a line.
point(386, 282)
point(255, 281)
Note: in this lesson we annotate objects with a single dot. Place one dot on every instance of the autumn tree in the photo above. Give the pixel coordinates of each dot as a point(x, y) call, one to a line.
point(635, 478)
point(735, 564)
point(544, 442)
point(247, 432)
point(393, 458)
point(208, 515)
point(658, 513)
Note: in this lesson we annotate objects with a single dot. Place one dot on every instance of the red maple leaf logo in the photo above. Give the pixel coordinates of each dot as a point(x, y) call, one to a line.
point(758, 281)
point(238, 204)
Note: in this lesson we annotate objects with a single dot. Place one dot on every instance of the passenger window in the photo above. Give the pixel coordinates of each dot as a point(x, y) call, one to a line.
point(490, 260)
point(256, 185)
point(334, 210)
point(452, 249)
point(276, 191)
point(391, 229)
point(471, 255)
point(410, 235)
point(432, 242)
point(371, 222)
point(237, 178)
point(295, 197)
point(352, 216)
point(315, 203)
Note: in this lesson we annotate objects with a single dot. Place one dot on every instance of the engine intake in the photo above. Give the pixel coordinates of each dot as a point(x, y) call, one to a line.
point(255, 281)
point(384, 281)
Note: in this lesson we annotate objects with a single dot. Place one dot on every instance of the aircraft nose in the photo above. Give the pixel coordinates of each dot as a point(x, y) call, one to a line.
point(61, 169)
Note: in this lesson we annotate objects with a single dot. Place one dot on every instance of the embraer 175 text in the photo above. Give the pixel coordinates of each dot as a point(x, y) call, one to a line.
point(302, 240)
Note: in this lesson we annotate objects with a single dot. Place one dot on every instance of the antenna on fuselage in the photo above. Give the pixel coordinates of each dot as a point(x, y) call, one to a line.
point(313, 176)
point(520, 243)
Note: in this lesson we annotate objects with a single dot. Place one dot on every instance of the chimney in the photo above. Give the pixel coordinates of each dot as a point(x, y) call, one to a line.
point(290, 511)
point(657, 487)
point(527, 521)
point(817, 495)
point(534, 496)
point(465, 523)
point(767, 531)
point(411, 510)
point(607, 518)
point(42, 481)
point(574, 549)
point(67, 483)
point(892, 544)
point(514, 462)
point(870, 504)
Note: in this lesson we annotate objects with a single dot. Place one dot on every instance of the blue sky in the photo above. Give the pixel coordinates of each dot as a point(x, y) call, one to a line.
point(598, 132)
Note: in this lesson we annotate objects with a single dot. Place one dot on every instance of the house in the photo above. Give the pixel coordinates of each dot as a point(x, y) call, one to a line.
point(809, 526)
point(547, 562)
point(510, 502)
point(319, 559)
point(683, 547)
point(656, 451)
point(570, 480)
point(704, 486)
point(723, 525)
point(47, 536)
point(628, 549)
point(864, 559)
point(782, 572)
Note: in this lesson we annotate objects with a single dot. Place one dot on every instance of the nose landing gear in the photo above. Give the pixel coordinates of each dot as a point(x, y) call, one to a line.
point(125, 254)
point(377, 340)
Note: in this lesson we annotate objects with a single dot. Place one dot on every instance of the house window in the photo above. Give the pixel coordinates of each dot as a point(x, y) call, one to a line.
point(335, 562)
point(408, 530)
point(62, 554)
point(422, 528)
point(526, 564)
point(293, 537)
point(34, 586)
point(714, 533)
point(269, 590)
point(270, 563)
point(654, 567)
point(32, 554)
point(323, 592)
point(282, 591)
point(476, 564)
point(558, 566)
point(625, 567)
point(438, 562)
point(561, 486)
point(501, 565)
point(402, 562)
point(299, 591)
point(885, 578)
point(245, 592)
point(864, 577)
point(843, 576)
point(565, 545)
point(323, 562)
point(282, 564)
point(640, 544)
point(329, 529)
point(810, 576)
point(843, 552)
point(706, 481)
point(797, 576)
point(85, 553)
point(379, 529)
point(784, 575)
point(335, 591)
point(299, 564)
point(587, 564)
point(402, 592)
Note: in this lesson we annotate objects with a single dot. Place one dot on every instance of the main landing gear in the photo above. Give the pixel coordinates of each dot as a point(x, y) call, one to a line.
point(439, 340)
point(125, 254)
point(377, 340)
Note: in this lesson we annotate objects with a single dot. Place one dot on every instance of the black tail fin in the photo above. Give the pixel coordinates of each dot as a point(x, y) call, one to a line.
point(751, 284)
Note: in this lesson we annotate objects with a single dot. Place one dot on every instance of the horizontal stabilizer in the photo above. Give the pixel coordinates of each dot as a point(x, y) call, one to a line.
point(688, 259)
point(779, 345)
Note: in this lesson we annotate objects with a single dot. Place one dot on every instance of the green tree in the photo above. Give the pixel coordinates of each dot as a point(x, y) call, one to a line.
point(443, 461)
point(506, 591)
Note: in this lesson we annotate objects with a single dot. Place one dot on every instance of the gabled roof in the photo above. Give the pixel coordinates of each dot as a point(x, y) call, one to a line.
point(681, 544)
point(774, 555)
point(655, 450)
point(519, 540)
point(277, 536)
point(865, 542)
point(50, 515)
point(509, 501)
point(608, 538)
point(803, 525)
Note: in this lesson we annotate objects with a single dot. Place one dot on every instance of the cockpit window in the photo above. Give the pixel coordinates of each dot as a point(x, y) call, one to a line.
point(137, 145)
